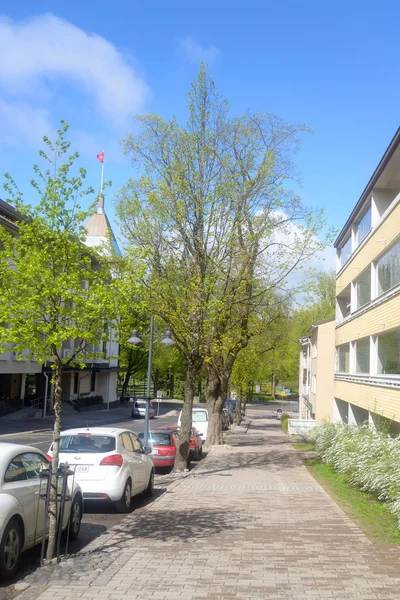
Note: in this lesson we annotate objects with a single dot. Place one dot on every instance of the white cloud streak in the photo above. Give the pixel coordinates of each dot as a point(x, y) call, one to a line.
point(47, 49)
point(195, 53)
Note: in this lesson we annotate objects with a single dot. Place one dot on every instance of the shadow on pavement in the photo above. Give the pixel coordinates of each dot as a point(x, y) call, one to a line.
point(180, 526)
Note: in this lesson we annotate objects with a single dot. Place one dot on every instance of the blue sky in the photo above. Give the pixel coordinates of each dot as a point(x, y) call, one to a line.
point(332, 65)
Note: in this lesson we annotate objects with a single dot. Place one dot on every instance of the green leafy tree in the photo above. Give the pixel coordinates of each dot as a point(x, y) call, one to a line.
point(53, 288)
point(207, 195)
point(319, 304)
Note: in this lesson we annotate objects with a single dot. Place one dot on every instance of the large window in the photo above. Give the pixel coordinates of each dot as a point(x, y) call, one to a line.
point(388, 269)
point(363, 288)
point(389, 353)
point(364, 226)
point(343, 358)
point(362, 356)
point(345, 252)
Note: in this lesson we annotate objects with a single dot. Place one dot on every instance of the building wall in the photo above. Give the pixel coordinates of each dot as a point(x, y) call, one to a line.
point(378, 240)
point(361, 392)
point(377, 319)
point(323, 368)
point(376, 399)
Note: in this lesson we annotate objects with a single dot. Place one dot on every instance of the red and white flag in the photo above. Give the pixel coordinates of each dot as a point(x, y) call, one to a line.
point(100, 157)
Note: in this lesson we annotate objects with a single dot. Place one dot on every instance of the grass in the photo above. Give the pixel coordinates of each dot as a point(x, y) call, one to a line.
point(373, 517)
point(304, 446)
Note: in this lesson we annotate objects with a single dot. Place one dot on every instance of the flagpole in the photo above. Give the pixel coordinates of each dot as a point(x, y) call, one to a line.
point(102, 174)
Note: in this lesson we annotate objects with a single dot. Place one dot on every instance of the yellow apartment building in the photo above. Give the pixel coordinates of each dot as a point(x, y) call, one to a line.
point(317, 357)
point(367, 330)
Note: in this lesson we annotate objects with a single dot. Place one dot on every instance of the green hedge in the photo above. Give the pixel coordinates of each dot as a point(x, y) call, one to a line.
point(284, 421)
point(369, 459)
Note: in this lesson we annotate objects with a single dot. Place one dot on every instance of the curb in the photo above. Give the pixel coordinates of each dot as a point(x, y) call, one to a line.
point(8, 435)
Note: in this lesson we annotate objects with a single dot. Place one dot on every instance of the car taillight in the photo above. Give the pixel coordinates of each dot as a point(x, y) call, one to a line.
point(113, 460)
point(49, 457)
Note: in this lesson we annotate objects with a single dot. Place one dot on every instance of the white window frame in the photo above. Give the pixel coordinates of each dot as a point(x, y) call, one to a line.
point(314, 384)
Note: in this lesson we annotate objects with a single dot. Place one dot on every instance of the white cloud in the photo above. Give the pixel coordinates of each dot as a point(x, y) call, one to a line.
point(194, 52)
point(38, 54)
point(22, 121)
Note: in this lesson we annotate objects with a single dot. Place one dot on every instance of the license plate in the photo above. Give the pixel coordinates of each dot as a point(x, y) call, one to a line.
point(82, 469)
point(154, 451)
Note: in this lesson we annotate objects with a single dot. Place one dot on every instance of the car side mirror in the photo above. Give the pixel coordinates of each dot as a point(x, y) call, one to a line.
point(148, 450)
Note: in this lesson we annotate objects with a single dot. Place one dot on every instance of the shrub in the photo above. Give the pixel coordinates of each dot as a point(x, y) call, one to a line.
point(369, 459)
point(284, 421)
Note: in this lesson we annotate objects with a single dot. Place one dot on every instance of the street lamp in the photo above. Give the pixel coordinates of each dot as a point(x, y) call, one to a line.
point(135, 339)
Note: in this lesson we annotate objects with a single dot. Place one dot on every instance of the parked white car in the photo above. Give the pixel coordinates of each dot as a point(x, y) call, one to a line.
point(199, 421)
point(110, 464)
point(22, 510)
point(139, 409)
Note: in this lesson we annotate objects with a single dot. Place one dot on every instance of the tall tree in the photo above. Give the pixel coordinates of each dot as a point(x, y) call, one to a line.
point(53, 288)
point(206, 195)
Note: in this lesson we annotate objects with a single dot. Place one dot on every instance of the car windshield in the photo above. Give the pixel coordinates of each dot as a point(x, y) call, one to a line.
point(141, 404)
point(199, 416)
point(157, 439)
point(86, 442)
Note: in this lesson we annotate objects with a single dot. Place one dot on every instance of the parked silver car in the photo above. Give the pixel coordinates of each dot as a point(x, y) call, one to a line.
point(139, 409)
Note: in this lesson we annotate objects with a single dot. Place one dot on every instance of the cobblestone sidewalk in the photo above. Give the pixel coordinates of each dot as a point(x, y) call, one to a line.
point(249, 523)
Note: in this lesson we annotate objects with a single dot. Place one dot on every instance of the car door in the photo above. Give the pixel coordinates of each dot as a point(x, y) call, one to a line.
point(133, 462)
point(143, 461)
point(34, 463)
point(17, 484)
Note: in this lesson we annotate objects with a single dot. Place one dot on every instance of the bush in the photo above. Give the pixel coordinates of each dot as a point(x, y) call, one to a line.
point(284, 421)
point(368, 458)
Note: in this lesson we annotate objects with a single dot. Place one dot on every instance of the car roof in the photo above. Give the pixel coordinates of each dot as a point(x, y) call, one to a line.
point(111, 431)
point(7, 449)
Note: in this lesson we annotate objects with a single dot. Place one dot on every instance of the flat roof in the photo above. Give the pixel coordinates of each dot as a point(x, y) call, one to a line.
point(371, 183)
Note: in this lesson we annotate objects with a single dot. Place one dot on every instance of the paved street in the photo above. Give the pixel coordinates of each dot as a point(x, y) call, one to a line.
point(248, 523)
point(98, 518)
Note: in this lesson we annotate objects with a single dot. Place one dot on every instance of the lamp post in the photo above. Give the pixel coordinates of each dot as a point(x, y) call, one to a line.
point(135, 339)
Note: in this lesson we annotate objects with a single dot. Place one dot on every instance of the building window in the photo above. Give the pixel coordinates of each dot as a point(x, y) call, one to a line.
point(388, 269)
point(364, 226)
point(362, 356)
point(363, 288)
point(343, 358)
point(343, 304)
point(314, 384)
point(93, 381)
point(76, 380)
point(389, 353)
point(345, 252)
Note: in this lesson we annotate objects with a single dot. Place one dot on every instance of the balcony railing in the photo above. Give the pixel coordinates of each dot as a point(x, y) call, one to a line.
point(392, 381)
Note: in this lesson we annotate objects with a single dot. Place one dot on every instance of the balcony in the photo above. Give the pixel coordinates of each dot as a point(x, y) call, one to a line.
point(392, 381)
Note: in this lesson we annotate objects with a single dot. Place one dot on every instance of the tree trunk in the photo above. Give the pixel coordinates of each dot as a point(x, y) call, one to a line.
point(273, 384)
point(238, 413)
point(216, 393)
point(125, 383)
point(56, 444)
point(182, 453)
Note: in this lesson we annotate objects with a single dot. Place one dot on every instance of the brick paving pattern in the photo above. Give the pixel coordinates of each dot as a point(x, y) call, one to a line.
point(249, 523)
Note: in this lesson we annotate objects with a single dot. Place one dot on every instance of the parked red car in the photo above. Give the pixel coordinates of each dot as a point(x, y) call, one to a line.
point(163, 447)
point(196, 443)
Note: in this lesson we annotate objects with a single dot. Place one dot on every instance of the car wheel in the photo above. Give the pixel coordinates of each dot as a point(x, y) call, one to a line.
point(75, 518)
point(10, 549)
point(149, 491)
point(124, 503)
